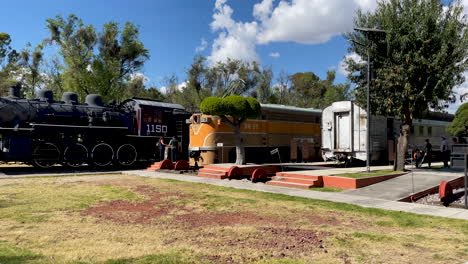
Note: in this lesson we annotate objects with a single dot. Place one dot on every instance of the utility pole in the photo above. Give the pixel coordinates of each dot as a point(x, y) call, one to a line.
point(368, 149)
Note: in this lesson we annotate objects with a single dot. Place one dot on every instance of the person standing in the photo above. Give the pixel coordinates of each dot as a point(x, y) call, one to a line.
point(444, 151)
point(174, 145)
point(428, 150)
point(162, 148)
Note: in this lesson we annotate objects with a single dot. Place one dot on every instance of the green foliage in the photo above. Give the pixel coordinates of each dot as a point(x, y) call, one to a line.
point(417, 62)
point(459, 125)
point(94, 62)
point(212, 106)
point(307, 90)
point(234, 105)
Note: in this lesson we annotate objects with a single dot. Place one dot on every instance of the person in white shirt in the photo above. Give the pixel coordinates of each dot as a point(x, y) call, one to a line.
point(444, 150)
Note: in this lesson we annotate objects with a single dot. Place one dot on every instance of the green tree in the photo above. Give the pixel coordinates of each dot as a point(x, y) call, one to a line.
point(97, 62)
point(30, 70)
point(415, 64)
point(459, 125)
point(8, 63)
point(309, 91)
point(233, 110)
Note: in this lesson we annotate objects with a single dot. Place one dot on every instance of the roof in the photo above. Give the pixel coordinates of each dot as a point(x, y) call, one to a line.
point(289, 108)
point(148, 102)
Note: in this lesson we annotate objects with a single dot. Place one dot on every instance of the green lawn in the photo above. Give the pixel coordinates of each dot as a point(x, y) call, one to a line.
point(116, 219)
point(368, 174)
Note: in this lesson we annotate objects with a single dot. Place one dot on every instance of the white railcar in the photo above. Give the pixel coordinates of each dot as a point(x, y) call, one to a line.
point(344, 133)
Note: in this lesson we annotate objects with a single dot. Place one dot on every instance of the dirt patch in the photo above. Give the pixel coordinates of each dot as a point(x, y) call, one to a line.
point(126, 212)
point(272, 242)
point(198, 220)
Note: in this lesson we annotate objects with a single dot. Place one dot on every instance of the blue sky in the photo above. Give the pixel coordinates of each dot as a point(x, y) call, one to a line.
point(289, 35)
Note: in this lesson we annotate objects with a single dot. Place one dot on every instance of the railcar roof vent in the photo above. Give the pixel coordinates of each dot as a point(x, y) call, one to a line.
point(94, 100)
point(70, 98)
point(45, 95)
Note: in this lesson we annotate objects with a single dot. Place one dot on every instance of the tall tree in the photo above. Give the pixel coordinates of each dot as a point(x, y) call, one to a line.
point(233, 110)
point(97, 62)
point(29, 71)
point(415, 64)
point(8, 63)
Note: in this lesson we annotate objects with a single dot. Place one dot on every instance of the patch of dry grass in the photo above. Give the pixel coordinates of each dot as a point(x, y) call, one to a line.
point(43, 221)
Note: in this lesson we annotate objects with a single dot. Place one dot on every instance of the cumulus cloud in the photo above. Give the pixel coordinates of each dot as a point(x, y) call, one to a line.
point(139, 75)
point(343, 65)
point(300, 21)
point(236, 40)
point(275, 54)
point(180, 87)
point(460, 90)
point(202, 46)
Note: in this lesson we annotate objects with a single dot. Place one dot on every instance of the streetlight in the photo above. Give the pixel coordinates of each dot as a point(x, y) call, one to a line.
point(368, 30)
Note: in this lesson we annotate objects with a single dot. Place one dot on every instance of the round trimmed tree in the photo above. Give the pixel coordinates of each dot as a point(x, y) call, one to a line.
point(233, 111)
point(459, 125)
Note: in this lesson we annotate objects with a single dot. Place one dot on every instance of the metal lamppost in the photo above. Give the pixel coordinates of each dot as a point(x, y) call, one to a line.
point(368, 30)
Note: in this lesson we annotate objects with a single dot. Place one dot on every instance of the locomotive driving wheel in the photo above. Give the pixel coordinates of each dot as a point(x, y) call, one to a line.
point(102, 154)
point(126, 155)
point(75, 155)
point(45, 155)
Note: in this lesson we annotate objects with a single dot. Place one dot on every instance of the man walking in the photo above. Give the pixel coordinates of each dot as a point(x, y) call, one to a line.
point(444, 151)
point(428, 150)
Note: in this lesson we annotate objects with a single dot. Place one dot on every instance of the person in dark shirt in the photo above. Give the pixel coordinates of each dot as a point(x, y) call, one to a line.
point(428, 150)
point(174, 145)
point(161, 147)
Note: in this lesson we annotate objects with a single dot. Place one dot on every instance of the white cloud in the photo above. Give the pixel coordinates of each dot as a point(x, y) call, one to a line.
point(202, 46)
point(343, 65)
point(139, 75)
point(460, 90)
point(236, 40)
point(275, 54)
point(300, 21)
point(465, 5)
point(180, 87)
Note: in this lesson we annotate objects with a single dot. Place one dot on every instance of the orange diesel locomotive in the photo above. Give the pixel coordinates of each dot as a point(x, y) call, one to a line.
point(294, 131)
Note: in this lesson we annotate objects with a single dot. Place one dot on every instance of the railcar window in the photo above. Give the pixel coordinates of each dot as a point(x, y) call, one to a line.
point(429, 131)
point(421, 131)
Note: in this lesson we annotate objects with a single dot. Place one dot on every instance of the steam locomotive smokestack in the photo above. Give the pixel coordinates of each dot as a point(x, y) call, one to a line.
point(15, 90)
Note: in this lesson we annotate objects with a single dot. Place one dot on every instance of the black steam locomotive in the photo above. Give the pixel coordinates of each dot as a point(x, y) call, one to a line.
point(44, 132)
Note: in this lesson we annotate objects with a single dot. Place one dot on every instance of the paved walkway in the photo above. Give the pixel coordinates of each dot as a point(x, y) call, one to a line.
point(417, 180)
point(334, 197)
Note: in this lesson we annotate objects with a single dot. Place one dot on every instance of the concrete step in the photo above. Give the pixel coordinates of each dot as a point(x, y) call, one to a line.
point(297, 176)
point(289, 184)
point(216, 168)
point(213, 171)
point(295, 180)
point(212, 175)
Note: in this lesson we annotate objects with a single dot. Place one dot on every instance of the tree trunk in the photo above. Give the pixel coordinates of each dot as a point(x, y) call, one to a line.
point(240, 151)
point(403, 139)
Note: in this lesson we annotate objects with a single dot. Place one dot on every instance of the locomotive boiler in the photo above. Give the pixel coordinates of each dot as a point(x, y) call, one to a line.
point(44, 132)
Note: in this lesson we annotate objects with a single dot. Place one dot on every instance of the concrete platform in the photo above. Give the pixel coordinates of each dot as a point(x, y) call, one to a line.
point(398, 188)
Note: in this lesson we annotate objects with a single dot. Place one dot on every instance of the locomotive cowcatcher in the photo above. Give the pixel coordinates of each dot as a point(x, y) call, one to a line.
point(44, 132)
